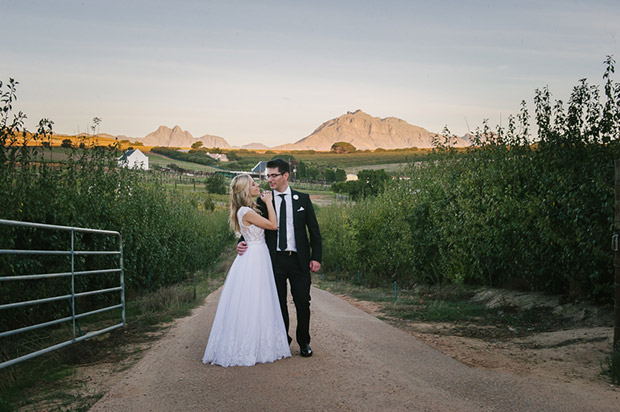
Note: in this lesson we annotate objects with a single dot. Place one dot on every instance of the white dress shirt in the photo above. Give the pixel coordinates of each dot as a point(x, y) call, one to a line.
point(290, 229)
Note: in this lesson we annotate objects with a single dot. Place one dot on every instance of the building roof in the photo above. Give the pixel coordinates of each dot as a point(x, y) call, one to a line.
point(128, 153)
point(260, 167)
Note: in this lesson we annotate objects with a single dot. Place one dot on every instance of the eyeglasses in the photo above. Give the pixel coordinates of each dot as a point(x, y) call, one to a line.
point(274, 175)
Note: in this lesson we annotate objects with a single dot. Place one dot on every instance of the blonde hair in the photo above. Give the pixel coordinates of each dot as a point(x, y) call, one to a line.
point(240, 196)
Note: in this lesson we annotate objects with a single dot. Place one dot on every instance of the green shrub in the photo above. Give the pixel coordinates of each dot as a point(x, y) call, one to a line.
point(216, 183)
point(167, 236)
point(532, 213)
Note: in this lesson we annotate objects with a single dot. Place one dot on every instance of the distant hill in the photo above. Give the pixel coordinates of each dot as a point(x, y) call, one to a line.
point(255, 146)
point(177, 137)
point(362, 130)
point(365, 132)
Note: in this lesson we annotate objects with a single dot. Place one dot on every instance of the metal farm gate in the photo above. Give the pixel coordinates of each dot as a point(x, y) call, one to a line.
point(71, 294)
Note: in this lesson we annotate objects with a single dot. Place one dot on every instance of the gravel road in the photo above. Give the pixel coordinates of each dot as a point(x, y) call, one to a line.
point(360, 363)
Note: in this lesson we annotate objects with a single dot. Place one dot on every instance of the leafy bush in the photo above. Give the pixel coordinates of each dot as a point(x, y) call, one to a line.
point(512, 211)
point(369, 183)
point(166, 237)
point(342, 147)
point(216, 183)
point(199, 157)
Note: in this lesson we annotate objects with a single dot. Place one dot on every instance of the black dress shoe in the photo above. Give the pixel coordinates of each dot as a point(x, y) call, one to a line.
point(305, 350)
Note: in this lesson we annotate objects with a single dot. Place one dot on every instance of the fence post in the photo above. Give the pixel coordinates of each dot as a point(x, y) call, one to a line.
point(122, 279)
point(616, 257)
point(395, 292)
point(73, 281)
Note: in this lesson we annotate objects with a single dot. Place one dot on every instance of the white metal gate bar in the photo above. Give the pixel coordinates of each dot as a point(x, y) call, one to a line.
point(72, 296)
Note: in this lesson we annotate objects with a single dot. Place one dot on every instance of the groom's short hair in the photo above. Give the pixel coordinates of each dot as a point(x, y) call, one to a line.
point(280, 164)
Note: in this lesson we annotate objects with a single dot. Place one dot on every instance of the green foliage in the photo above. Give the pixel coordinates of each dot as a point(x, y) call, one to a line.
point(196, 145)
point(342, 147)
point(338, 238)
point(330, 175)
point(340, 175)
point(353, 188)
point(284, 156)
point(66, 143)
point(512, 211)
point(166, 235)
point(198, 156)
point(232, 156)
point(369, 183)
point(216, 183)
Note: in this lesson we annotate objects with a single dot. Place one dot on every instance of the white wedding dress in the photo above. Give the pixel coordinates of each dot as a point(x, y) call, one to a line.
point(248, 326)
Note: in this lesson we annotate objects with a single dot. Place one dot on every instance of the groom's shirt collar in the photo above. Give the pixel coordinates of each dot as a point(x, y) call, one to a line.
point(287, 192)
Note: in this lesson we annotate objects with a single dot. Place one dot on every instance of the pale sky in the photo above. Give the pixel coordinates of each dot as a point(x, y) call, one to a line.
point(273, 71)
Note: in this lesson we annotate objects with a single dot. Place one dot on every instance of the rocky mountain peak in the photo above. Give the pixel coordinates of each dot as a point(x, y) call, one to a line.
point(365, 132)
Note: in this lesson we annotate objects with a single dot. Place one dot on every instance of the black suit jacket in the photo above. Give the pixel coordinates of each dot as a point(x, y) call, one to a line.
point(303, 218)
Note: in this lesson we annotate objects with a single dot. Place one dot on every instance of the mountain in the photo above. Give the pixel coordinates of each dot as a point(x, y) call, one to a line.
point(176, 137)
point(365, 132)
point(208, 140)
point(255, 146)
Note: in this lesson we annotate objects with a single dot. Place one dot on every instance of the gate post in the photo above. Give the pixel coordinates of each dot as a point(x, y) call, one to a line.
point(616, 257)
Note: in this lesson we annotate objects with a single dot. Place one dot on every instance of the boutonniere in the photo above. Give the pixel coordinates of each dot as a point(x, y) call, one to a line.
point(295, 197)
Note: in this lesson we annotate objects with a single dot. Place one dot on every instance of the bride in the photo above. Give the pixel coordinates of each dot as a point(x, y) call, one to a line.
point(248, 327)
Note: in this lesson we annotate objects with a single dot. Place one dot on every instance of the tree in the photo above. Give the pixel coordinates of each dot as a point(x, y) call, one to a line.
point(197, 144)
point(374, 181)
point(330, 175)
point(353, 188)
point(96, 123)
point(302, 170)
point(340, 175)
point(216, 184)
point(66, 143)
point(313, 173)
point(370, 183)
point(343, 147)
point(284, 156)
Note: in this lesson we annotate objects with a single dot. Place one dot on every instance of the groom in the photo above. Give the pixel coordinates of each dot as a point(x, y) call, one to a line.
point(292, 255)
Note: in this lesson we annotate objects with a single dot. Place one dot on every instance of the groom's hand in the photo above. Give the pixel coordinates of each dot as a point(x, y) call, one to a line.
point(314, 266)
point(241, 248)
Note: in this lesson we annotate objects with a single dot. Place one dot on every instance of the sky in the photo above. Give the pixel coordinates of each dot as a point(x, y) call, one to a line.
point(273, 71)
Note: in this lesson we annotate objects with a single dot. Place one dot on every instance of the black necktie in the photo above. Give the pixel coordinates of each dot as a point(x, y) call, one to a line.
point(282, 224)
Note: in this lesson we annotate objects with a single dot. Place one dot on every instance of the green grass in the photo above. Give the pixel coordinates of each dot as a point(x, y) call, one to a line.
point(344, 161)
point(438, 311)
point(156, 159)
point(446, 304)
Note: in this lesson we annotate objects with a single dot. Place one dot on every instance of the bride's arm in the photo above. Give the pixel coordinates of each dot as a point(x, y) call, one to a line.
point(251, 217)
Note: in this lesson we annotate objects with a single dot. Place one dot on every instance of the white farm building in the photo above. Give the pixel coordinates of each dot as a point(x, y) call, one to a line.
point(134, 159)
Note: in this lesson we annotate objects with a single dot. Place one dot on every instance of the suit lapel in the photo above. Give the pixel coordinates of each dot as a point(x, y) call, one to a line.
point(295, 207)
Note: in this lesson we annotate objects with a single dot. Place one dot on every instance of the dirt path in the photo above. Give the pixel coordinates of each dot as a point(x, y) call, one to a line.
point(360, 363)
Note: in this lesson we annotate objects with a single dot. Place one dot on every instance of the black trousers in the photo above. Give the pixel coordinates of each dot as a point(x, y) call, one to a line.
point(286, 267)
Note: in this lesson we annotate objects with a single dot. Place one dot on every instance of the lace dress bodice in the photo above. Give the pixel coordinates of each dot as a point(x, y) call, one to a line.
point(252, 233)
